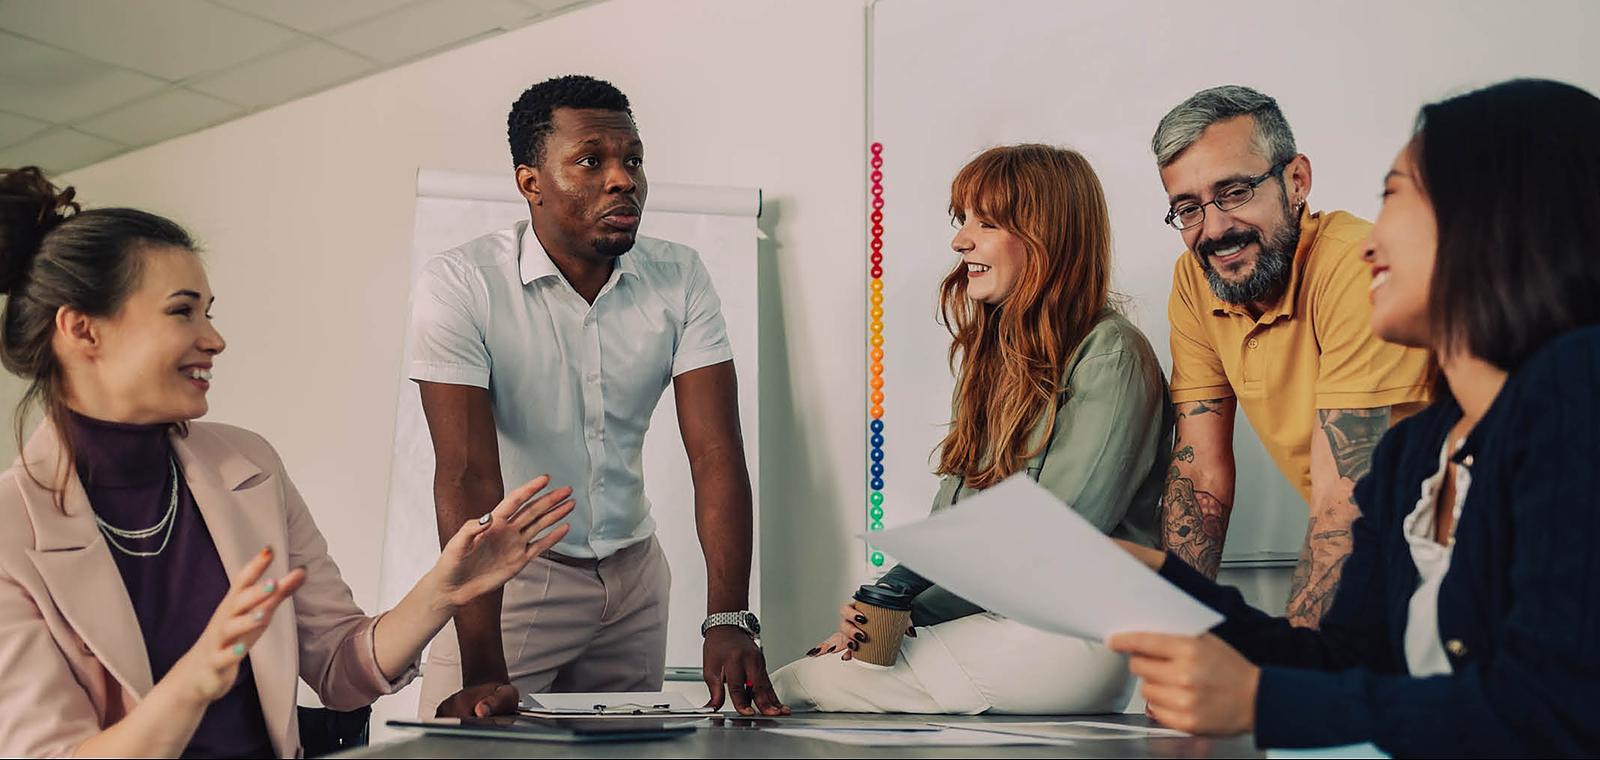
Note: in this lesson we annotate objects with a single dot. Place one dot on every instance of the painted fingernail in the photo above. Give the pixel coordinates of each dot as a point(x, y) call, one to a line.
point(860, 636)
point(238, 650)
point(853, 646)
point(912, 632)
point(270, 586)
point(258, 616)
point(486, 518)
point(266, 551)
point(813, 652)
point(861, 618)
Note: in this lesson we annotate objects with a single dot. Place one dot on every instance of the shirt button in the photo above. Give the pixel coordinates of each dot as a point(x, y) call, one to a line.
point(1254, 343)
point(1456, 648)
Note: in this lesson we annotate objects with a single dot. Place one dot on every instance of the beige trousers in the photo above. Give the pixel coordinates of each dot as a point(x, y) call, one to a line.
point(572, 625)
point(976, 664)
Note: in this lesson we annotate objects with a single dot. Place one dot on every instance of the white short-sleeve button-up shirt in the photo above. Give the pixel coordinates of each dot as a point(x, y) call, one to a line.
point(574, 384)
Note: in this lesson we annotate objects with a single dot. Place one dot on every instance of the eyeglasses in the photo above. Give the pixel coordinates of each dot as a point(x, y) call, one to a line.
point(1191, 214)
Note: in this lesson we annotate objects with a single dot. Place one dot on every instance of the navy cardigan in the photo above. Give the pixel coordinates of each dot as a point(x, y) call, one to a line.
point(1519, 610)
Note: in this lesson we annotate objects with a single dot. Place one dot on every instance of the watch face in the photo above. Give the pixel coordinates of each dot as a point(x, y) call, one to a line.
point(750, 620)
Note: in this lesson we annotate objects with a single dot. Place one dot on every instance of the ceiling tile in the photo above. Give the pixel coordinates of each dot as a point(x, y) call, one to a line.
point(15, 128)
point(41, 82)
point(315, 16)
point(59, 150)
point(170, 39)
point(156, 118)
point(429, 26)
point(282, 77)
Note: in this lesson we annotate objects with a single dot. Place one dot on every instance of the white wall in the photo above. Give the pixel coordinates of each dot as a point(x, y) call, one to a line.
point(306, 214)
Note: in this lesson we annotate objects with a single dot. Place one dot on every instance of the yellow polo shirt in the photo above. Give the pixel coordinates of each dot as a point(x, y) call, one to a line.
point(1314, 350)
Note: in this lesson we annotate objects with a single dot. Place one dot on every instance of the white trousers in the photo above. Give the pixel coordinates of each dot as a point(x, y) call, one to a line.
point(981, 663)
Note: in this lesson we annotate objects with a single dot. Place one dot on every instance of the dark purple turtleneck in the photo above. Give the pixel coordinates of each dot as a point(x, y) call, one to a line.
point(126, 472)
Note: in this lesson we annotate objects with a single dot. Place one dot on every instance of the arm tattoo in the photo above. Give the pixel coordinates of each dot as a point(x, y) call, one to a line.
point(1352, 436)
point(1316, 577)
point(1194, 523)
point(1207, 406)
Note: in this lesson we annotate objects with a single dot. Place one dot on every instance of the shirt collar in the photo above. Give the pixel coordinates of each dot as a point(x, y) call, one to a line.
point(1310, 227)
point(534, 263)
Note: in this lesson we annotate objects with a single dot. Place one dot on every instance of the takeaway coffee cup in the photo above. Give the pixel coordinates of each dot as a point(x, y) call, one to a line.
point(888, 612)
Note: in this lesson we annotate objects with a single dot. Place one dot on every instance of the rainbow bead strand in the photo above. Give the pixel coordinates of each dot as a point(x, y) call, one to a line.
point(875, 381)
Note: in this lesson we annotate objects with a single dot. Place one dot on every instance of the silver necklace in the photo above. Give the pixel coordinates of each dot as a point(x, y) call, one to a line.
point(166, 524)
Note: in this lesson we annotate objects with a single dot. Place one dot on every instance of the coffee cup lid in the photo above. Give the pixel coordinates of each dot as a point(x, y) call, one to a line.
point(887, 596)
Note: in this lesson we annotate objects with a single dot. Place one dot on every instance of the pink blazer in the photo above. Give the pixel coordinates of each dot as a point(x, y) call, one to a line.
point(72, 660)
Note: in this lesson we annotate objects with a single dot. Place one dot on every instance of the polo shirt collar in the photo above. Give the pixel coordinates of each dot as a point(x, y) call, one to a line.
point(534, 263)
point(1310, 227)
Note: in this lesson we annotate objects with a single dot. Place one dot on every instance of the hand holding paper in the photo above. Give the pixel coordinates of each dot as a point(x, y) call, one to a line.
point(1018, 551)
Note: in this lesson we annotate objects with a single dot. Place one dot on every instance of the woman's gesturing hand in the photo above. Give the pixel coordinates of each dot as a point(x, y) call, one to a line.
point(486, 553)
point(207, 671)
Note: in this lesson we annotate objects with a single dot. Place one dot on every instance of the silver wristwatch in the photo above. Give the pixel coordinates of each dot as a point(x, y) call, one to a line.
point(745, 620)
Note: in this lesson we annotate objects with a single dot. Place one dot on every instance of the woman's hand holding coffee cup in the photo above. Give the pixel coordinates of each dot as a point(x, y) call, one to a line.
point(850, 636)
point(845, 639)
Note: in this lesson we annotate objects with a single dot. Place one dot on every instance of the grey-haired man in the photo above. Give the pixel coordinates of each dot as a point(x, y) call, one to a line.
point(1270, 312)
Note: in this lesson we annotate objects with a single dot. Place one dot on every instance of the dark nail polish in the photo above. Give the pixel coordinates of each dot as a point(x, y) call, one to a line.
point(861, 618)
point(813, 652)
point(912, 632)
point(860, 636)
point(853, 646)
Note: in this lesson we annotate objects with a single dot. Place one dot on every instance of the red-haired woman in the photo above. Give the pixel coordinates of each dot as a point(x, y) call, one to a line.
point(1051, 381)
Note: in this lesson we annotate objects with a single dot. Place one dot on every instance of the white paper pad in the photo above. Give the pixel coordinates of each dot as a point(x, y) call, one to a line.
point(890, 737)
point(1072, 729)
point(1016, 550)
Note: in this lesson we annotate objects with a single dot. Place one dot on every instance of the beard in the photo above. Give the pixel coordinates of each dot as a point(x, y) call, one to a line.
point(612, 246)
point(1274, 261)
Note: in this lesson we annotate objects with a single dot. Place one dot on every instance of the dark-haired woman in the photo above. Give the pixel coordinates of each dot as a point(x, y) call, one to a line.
point(1468, 620)
point(162, 585)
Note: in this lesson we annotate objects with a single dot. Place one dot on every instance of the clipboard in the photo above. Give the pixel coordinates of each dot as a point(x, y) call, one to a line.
point(612, 706)
point(623, 711)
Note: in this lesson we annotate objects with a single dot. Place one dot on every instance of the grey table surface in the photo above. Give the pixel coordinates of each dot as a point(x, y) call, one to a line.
point(739, 738)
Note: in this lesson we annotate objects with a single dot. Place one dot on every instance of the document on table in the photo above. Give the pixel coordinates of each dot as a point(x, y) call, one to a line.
point(1016, 550)
point(914, 737)
point(1072, 729)
point(621, 704)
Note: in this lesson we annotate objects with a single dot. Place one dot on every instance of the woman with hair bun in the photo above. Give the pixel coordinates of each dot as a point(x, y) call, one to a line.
point(162, 584)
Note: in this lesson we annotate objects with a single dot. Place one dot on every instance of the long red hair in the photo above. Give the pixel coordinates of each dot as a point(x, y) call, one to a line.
point(1011, 355)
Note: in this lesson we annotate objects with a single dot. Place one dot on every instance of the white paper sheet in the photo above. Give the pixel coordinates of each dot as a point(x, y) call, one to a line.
point(1016, 550)
point(1072, 729)
point(890, 737)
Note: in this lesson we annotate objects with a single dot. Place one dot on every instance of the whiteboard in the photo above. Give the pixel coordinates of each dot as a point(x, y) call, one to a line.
point(720, 223)
point(949, 78)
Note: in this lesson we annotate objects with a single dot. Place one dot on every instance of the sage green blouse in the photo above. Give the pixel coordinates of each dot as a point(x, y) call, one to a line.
point(1106, 459)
